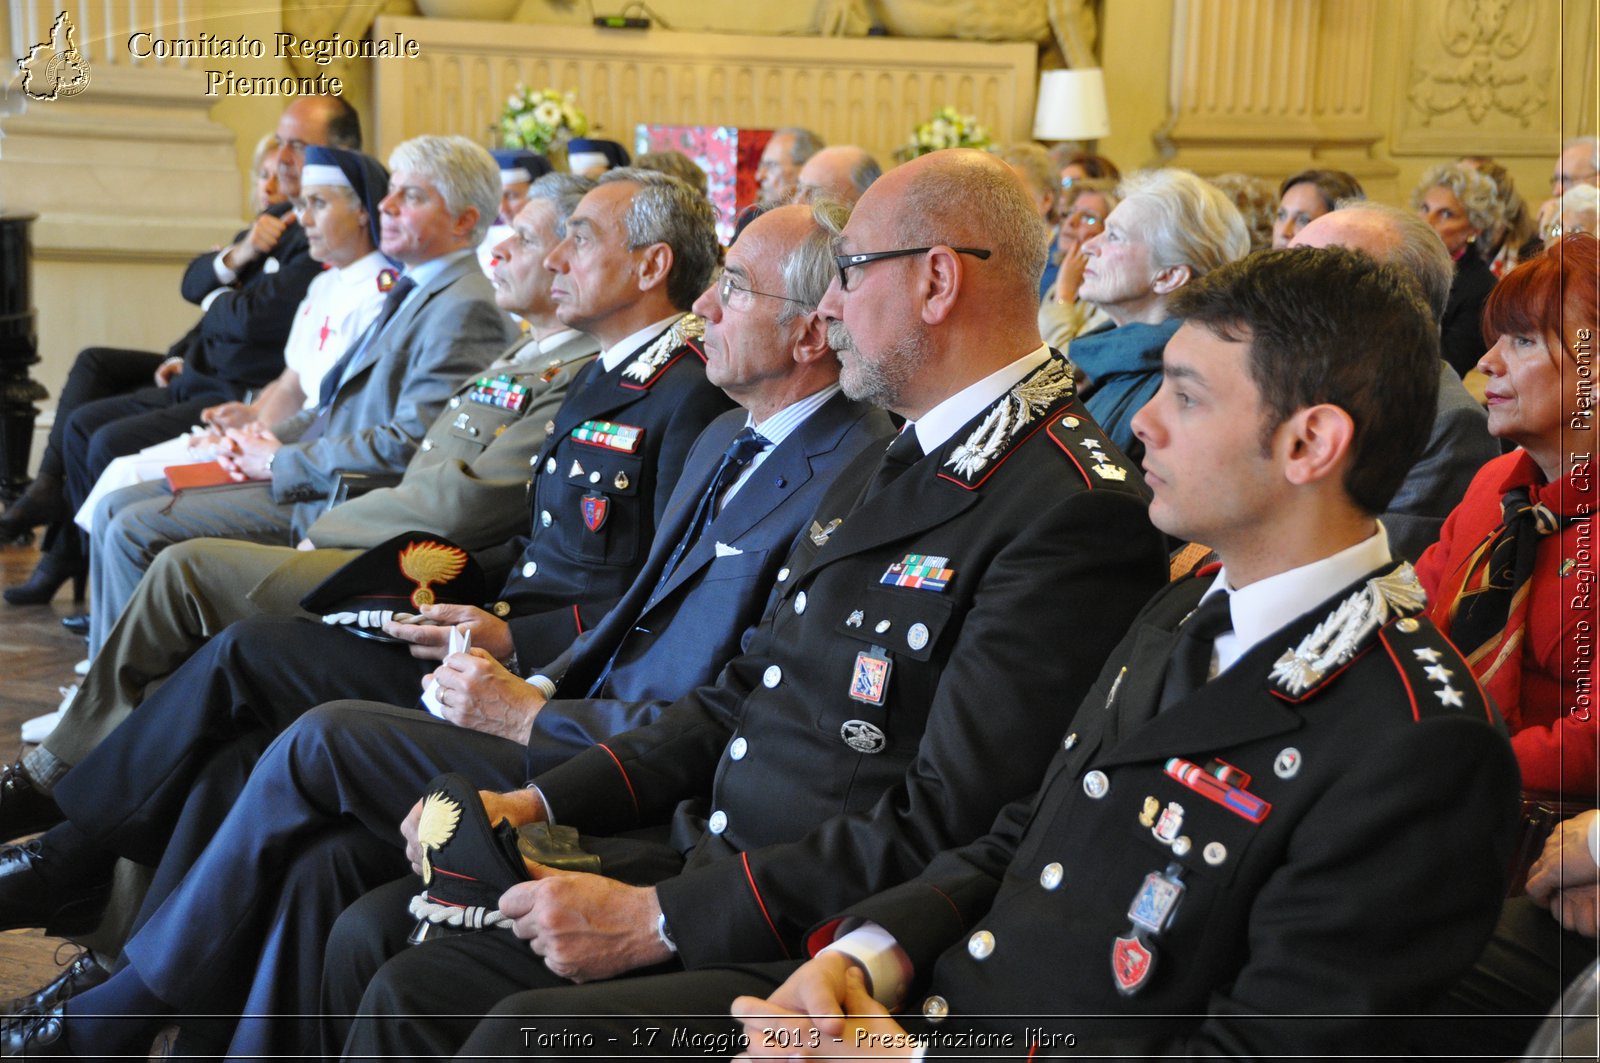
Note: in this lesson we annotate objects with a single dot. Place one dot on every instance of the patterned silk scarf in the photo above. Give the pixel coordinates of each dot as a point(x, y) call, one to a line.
point(1489, 615)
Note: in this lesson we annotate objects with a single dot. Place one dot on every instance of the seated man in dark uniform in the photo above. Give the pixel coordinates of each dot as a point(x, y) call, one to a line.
point(1283, 816)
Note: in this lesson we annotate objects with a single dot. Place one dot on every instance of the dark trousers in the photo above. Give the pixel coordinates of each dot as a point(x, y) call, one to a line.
point(97, 373)
point(316, 826)
point(439, 989)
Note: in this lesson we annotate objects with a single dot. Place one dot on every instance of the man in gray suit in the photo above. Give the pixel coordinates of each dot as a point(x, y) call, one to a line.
point(439, 324)
point(1459, 442)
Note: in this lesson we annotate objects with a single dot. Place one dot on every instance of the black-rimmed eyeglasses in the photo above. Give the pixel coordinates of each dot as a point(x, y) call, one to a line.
point(847, 262)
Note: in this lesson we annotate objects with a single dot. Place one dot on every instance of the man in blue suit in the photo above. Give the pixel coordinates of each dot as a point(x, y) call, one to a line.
point(749, 485)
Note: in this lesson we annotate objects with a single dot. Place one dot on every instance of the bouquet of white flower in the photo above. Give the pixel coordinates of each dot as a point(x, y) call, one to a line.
point(536, 120)
point(948, 128)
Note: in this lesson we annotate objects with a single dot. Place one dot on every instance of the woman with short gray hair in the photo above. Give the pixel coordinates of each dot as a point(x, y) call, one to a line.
point(1461, 204)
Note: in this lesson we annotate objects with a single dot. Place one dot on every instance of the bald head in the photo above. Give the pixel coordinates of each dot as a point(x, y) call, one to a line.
point(1390, 235)
point(955, 297)
point(840, 173)
point(972, 199)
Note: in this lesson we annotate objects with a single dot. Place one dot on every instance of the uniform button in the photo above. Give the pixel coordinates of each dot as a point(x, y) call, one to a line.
point(501, 609)
point(1070, 741)
point(738, 748)
point(550, 466)
point(881, 626)
point(1096, 785)
point(427, 444)
point(545, 519)
point(1408, 625)
point(800, 603)
point(529, 569)
point(455, 401)
point(783, 574)
point(980, 945)
point(1050, 877)
point(594, 477)
point(917, 637)
point(1215, 853)
point(935, 1009)
point(772, 676)
point(718, 822)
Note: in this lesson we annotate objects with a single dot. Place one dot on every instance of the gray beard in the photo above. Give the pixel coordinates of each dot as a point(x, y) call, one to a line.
point(881, 381)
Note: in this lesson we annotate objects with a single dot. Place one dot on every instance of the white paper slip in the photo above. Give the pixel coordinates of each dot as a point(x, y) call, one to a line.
point(460, 642)
point(724, 550)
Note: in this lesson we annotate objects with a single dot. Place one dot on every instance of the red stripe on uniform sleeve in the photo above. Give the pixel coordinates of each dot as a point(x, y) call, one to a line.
point(577, 619)
point(750, 877)
point(625, 780)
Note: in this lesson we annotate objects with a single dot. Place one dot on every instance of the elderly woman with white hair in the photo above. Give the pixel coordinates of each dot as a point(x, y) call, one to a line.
point(1461, 205)
point(1169, 228)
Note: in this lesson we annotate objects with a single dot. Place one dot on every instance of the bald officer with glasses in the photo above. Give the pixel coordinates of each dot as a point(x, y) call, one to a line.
point(916, 664)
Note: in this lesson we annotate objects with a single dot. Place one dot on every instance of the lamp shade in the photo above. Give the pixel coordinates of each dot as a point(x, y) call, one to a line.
point(1072, 106)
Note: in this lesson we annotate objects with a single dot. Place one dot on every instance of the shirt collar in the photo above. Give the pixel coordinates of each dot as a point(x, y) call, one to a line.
point(935, 427)
point(780, 425)
point(430, 269)
point(1268, 604)
point(628, 346)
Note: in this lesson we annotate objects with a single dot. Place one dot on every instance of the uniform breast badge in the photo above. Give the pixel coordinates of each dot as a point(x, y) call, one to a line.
point(610, 436)
point(595, 509)
point(869, 681)
point(1133, 955)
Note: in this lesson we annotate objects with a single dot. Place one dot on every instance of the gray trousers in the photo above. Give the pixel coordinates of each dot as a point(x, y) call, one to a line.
point(192, 590)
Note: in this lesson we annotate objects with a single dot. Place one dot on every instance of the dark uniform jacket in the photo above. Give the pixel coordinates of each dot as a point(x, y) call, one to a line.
point(238, 344)
point(968, 598)
point(675, 634)
point(1360, 870)
point(599, 486)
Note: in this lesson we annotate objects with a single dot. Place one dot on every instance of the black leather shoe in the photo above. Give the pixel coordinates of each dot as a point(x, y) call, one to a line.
point(40, 1033)
point(27, 900)
point(81, 974)
point(78, 625)
point(24, 808)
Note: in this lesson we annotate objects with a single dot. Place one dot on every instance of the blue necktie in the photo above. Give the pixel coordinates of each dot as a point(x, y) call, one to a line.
point(745, 446)
point(335, 374)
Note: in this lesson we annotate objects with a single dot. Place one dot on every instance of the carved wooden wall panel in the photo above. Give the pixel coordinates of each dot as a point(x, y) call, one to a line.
point(1480, 73)
point(867, 92)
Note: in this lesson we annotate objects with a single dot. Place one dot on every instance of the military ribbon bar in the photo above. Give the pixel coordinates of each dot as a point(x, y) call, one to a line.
point(920, 571)
point(623, 437)
point(1239, 802)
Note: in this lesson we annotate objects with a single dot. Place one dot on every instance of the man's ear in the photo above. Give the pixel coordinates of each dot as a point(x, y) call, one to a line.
point(466, 221)
point(940, 284)
point(1318, 441)
point(655, 263)
point(811, 340)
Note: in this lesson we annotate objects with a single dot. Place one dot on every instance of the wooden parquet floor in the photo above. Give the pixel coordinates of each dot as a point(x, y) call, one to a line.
point(36, 657)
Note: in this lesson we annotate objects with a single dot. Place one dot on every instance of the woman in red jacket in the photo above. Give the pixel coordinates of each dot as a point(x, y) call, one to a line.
point(1512, 578)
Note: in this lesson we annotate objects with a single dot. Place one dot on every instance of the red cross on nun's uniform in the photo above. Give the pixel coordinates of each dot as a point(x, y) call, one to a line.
point(322, 336)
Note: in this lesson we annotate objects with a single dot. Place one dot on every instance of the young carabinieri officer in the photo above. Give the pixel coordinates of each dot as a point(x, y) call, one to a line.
point(1284, 812)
